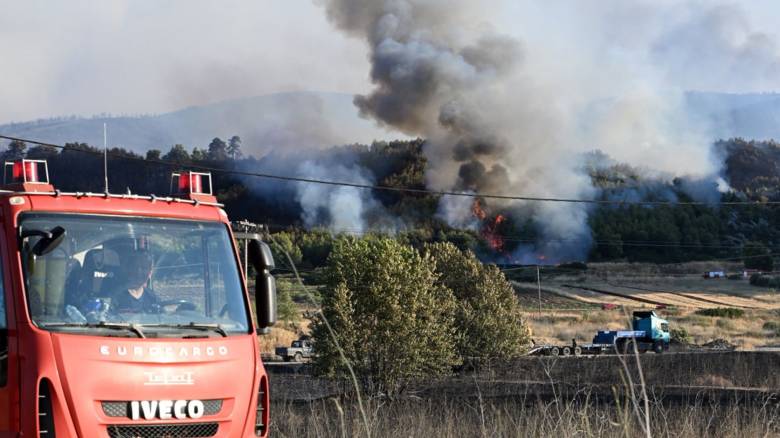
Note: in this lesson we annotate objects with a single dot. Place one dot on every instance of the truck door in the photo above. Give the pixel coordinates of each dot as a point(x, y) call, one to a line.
point(8, 409)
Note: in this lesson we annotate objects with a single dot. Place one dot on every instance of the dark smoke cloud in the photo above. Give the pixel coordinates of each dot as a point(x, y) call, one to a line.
point(506, 116)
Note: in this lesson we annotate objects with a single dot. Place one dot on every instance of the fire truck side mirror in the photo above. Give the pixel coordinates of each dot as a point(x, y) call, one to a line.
point(265, 285)
point(49, 240)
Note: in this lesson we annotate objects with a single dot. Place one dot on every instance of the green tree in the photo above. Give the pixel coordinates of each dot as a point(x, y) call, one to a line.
point(315, 247)
point(16, 150)
point(488, 317)
point(199, 154)
point(757, 256)
point(217, 150)
point(283, 243)
point(177, 154)
point(234, 147)
point(390, 315)
point(42, 152)
point(153, 154)
point(285, 307)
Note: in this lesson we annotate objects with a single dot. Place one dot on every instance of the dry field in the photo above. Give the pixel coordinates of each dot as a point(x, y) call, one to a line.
point(573, 303)
point(687, 395)
point(747, 332)
point(498, 418)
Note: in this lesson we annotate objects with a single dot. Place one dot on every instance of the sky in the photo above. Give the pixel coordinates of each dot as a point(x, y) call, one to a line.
point(86, 57)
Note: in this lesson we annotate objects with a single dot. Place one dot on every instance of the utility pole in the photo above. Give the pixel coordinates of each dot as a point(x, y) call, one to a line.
point(539, 288)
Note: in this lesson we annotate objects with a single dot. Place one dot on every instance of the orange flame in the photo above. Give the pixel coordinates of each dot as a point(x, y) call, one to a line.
point(477, 211)
point(489, 229)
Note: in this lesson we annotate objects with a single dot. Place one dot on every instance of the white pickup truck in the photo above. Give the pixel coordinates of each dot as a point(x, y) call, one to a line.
point(297, 351)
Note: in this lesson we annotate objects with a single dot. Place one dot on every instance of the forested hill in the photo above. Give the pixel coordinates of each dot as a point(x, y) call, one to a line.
point(687, 232)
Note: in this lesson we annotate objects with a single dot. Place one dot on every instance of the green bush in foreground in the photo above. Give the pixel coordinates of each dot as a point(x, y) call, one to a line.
point(391, 317)
point(722, 312)
point(488, 318)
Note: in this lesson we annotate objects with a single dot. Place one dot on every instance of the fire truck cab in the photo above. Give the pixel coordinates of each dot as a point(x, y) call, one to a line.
point(127, 315)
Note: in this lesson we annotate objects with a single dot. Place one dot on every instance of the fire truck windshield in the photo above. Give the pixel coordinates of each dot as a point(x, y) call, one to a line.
point(132, 276)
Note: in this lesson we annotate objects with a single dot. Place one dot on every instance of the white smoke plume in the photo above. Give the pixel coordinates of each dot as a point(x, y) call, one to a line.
point(339, 208)
point(503, 115)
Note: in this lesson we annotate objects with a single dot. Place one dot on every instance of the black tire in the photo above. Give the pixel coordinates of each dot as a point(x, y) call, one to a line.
point(555, 351)
point(298, 357)
point(567, 351)
point(578, 351)
point(658, 347)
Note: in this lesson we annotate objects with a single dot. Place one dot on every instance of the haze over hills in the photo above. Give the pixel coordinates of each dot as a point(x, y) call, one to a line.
point(316, 119)
point(753, 116)
point(268, 122)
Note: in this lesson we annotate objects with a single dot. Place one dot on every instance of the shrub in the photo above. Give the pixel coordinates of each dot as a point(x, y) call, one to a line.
point(722, 312)
point(773, 327)
point(680, 335)
point(391, 317)
point(315, 247)
point(281, 245)
point(725, 324)
point(285, 307)
point(488, 317)
point(765, 280)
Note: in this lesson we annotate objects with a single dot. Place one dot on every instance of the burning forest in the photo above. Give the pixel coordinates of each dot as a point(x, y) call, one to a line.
point(492, 125)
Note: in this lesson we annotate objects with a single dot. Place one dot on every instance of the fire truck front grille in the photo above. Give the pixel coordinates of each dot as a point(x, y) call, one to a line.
point(164, 431)
point(122, 408)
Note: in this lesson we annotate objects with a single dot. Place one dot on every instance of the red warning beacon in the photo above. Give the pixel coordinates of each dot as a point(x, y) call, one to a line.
point(27, 176)
point(192, 185)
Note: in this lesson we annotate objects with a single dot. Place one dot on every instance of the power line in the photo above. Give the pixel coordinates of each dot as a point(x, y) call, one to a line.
point(399, 189)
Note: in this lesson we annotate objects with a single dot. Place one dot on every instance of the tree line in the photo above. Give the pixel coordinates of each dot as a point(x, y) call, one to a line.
point(671, 233)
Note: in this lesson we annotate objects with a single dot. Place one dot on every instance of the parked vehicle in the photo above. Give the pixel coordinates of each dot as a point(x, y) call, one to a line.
point(649, 332)
point(297, 351)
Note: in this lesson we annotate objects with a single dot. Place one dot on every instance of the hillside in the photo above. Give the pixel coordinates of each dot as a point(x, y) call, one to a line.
point(318, 119)
point(264, 123)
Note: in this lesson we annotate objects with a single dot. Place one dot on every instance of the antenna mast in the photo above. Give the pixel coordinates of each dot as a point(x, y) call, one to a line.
point(105, 156)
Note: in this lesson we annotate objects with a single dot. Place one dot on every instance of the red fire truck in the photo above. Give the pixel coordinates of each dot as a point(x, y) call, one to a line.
point(127, 315)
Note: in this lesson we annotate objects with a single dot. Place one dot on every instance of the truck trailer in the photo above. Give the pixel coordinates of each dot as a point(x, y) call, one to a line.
point(126, 315)
point(649, 332)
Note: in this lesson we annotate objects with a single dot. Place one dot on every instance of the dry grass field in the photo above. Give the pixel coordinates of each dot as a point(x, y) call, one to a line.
point(683, 395)
point(574, 303)
point(746, 332)
point(458, 418)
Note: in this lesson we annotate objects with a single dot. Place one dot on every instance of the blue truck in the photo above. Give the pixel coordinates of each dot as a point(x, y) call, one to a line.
point(648, 332)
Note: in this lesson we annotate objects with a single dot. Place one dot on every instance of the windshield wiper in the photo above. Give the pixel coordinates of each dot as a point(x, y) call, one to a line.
point(100, 325)
point(193, 326)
